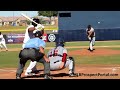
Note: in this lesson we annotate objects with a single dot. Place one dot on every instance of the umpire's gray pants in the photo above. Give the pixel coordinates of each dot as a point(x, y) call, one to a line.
point(46, 66)
point(30, 54)
point(21, 66)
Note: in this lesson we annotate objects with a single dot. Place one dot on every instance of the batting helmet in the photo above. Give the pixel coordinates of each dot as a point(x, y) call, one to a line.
point(36, 20)
point(60, 42)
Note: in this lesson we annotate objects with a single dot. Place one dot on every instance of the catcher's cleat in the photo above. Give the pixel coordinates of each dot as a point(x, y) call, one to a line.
point(73, 75)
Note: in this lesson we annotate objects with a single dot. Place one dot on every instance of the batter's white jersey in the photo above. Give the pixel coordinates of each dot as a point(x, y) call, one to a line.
point(28, 35)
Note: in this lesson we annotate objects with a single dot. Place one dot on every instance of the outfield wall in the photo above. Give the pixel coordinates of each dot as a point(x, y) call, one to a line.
point(80, 35)
point(18, 38)
point(72, 24)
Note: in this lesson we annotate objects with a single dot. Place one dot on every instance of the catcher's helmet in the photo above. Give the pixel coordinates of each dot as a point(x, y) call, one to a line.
point(38, 34)
point(36, 20)
point(60, 42)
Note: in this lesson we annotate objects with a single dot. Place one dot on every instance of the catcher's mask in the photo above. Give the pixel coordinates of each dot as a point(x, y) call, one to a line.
point(36, 20)
point(60, 42)
point(38, 34)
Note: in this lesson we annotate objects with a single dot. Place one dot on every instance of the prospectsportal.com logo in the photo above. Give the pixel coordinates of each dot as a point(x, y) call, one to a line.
point(51, 37)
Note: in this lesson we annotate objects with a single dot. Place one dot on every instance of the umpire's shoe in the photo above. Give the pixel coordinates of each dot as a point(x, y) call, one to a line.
point(73, 75)
point(18, 76)
point(47, 76)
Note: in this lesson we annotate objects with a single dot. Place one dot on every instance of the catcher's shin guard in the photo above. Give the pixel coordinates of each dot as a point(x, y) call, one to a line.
point(73, 68)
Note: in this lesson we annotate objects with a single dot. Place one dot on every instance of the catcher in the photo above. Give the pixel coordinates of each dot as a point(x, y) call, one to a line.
point(91, 37)
point(59, 60)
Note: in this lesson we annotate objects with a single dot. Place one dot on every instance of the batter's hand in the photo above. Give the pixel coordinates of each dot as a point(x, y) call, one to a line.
point(39, 26)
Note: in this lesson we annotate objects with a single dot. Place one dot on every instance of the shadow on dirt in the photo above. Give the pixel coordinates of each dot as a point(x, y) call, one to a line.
point(42, 75)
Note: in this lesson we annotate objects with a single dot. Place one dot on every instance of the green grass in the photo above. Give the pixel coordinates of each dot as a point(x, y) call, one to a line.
point(10, 58)
point(106, 60)
point(78, 43)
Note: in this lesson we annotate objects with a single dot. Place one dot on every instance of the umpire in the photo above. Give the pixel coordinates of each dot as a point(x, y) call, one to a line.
point(34, 51)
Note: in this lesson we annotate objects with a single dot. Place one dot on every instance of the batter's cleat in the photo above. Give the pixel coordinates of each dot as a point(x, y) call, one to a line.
point(73, 75)
point(35, 71)
point(47, 77)
point(6, 49)
point(29, 74)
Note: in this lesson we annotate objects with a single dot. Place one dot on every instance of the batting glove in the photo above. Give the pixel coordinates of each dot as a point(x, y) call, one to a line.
point(39, 26)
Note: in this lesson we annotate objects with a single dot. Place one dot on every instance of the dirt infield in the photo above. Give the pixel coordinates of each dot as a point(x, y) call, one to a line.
point(97, 52)
point(85, 71)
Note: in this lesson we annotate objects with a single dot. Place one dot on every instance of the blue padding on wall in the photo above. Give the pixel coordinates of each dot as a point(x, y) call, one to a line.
point(80, 35)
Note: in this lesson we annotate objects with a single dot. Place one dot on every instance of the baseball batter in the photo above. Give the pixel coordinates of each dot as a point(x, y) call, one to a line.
point(59, 60)
point(91, 37)
point(2, 42)
point(30, 30)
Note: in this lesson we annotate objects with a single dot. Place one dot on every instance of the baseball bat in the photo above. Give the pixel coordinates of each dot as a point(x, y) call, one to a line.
point(28, 18)
point(31, 19)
